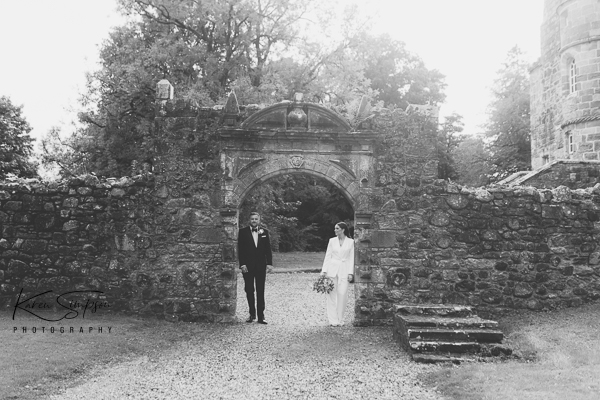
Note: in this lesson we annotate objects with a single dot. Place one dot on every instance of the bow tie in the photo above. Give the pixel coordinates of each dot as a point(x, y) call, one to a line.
point(254, 229)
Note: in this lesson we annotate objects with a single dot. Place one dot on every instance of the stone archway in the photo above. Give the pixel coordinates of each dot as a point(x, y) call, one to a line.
point(293, 138)
point(264, 170)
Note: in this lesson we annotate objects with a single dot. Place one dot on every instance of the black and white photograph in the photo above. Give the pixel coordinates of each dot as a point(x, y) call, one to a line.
point(300, 199)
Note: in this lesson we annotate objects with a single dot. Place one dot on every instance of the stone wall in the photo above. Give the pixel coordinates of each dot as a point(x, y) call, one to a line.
point(165, 244)
point(80, 234)
point(495, 249)
point(570, 173)
point(193, 276)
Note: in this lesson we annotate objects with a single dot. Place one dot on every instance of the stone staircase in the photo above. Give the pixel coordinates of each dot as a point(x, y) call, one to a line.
point(446, 333)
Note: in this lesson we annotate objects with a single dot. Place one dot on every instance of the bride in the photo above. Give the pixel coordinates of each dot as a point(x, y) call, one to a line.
point(339, 267)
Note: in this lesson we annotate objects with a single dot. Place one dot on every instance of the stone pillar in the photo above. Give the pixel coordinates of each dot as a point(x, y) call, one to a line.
point(194, 235)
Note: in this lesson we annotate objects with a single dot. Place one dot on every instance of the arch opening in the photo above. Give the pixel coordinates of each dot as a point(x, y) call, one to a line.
point(299, 209)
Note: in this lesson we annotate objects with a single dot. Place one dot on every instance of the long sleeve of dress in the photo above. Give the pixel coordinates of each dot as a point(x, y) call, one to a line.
point(327, 259)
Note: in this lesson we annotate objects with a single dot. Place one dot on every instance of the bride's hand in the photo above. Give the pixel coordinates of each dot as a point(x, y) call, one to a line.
point(350, 277)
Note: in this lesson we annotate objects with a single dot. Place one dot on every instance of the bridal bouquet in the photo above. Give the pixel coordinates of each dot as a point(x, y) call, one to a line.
point(323, 284)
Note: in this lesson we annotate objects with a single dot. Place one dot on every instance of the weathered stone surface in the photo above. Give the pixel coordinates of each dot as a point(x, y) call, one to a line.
point(561, 194)
point(45, 222)
point(70, 225)
point(13, 205)
point(444, 242)
point(523, 290)
point(383, 239)
point(116, 192)
point(70, 202)
point(469, 237)
point(583, 270)
point(439, 218)
point(492, 296)
point(34, 246)
point(124, 243)
point(483, 195)
point(457, 202)
point(390, 206)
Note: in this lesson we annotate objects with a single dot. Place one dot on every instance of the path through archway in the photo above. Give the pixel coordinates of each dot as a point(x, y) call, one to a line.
point(300, 211)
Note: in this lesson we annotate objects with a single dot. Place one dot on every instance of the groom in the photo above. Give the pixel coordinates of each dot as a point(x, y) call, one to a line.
point(254, 252)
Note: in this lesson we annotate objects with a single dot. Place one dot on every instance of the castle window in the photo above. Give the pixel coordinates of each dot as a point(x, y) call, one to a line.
point(546, 159)
point(572, 76)
point(570, 143)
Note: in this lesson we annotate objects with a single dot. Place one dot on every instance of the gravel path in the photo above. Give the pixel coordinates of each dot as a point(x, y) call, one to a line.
point(297, 356)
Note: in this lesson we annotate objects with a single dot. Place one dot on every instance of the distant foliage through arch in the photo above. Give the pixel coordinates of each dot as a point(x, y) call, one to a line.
point(299, 210)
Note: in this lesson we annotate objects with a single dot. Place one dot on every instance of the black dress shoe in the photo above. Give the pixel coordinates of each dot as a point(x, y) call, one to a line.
point(262, 321)
point(250, 319)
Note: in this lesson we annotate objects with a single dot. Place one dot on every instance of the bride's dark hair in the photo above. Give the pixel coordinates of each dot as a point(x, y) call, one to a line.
point(344, 226)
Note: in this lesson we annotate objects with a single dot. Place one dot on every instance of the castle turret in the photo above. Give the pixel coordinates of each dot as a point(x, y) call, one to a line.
point(565, 84)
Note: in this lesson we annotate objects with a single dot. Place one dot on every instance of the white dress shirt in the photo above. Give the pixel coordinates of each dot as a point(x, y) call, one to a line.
point(255, 236)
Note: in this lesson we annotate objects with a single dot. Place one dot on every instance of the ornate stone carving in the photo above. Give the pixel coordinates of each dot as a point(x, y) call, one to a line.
point(398, 279)
point(297, 118)
point(164, 90)
point(296, 161)
point(227, 165)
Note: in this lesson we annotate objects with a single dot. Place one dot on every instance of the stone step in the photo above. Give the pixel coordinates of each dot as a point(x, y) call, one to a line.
point(441, 310)
point(465, 335)
point(426, 358)
point(440, 334)
point(405, 322)
point(436, 346)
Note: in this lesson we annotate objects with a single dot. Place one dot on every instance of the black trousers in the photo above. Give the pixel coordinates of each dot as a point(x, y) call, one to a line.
point(258, 276)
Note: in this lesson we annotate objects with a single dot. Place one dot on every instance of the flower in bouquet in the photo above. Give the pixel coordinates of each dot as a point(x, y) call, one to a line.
point(323, 284)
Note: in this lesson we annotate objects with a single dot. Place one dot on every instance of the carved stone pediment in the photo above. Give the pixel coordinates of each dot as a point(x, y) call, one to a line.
point(297, 116)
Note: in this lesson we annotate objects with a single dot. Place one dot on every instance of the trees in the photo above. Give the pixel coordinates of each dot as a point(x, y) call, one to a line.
point(472, 162)
point(15, 142)
point(300, 211)
point(508, 124)
point(203, 49)
point(448, 139)
point(262, 49)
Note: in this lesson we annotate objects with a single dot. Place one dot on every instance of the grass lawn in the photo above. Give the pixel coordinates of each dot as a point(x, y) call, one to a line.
point(297, 260)
point(561, 360)
point(37, 364)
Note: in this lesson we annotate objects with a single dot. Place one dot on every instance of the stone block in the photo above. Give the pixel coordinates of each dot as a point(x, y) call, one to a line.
point(439, 218)
point(31, 202)
point(383, 239)
point(124, 243)
point(457, 202)
point(207, 235)
point(523, 290)
point(13, 206)
point(34, 246)
point(70, 225)
point(45, 222)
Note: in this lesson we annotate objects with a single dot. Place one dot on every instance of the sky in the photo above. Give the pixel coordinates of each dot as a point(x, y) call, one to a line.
point(48, 46)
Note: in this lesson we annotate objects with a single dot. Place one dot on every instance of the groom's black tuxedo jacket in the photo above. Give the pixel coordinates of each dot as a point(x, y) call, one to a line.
point(254, 257)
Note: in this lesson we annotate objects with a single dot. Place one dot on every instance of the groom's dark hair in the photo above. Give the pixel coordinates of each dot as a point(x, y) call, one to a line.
point(254, 213)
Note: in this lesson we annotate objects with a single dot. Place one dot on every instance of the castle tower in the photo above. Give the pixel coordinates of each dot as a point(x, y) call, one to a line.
point(565, 84)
